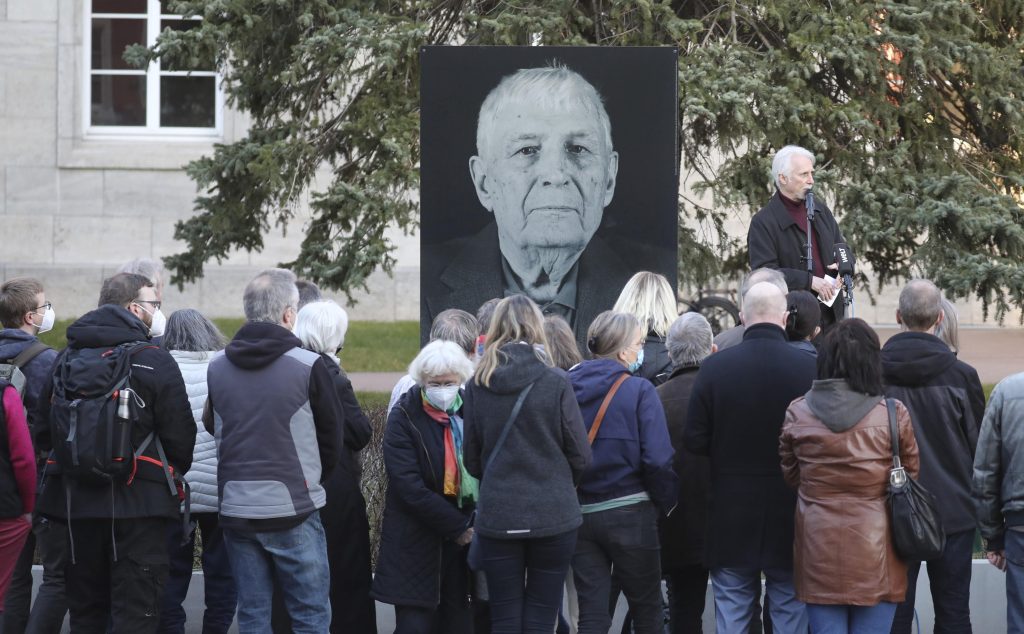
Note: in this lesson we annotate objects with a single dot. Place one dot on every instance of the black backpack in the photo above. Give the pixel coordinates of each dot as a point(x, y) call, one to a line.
point(92, 412)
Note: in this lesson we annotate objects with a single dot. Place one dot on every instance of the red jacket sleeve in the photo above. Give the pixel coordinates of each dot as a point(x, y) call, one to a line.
point(23, 460)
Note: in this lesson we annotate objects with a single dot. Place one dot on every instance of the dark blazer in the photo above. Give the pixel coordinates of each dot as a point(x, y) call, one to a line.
point(474, 276)
point(775, 241)
point(418, 518)
point(682, 532)
point(735, 416)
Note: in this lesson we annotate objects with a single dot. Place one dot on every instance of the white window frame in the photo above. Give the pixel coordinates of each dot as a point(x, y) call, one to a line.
point(153, 73)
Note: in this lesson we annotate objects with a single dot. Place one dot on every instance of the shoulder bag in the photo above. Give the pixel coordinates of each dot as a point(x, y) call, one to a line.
point(917, 530)
point(604, 407)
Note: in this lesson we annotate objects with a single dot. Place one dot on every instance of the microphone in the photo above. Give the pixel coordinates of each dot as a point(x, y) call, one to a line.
point(844, 258)
point(809, 202)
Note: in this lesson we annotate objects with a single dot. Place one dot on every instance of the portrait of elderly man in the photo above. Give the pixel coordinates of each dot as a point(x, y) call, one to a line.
point(545, 169)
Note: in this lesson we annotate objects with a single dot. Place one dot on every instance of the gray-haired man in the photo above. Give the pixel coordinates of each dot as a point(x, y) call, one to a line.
point(277, 421)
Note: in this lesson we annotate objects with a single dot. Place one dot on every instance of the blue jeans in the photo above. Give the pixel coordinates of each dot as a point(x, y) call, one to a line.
point(850, 619)
point(626, 538)
point(297, 559)
point(525, 579)
point(950, 579)
point(737, 591)
point(218, 582)
point(1014, 582)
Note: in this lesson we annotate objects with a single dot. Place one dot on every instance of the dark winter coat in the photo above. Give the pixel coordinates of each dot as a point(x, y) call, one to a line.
point(158, 383)
point(528, 491)
point(836, 449)
point(775, 241)
point(656, 366)
point(946, 403)
point(682, 532)
point(37, 371)
point(418, 517)
point(999, 463)
point(736, 410)
point(632, 452)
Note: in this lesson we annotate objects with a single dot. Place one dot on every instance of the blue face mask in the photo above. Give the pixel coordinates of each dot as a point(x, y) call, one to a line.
point(633, 367)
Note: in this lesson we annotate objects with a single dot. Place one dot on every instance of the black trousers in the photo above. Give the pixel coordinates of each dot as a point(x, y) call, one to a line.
point(124, 591)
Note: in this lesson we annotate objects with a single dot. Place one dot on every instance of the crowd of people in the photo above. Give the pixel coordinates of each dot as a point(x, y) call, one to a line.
point(520, 469)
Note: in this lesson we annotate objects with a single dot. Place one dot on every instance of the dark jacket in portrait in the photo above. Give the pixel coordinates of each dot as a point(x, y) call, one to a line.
point(946, 403)
point(156, 380)
point(775, 241)
point(735, 415)
point(466, 272)
point(529, 488)
point(418, 517)
point(682, 533)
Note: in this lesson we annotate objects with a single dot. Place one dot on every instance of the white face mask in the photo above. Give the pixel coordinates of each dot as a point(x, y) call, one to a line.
point(442, 397)
point(48, 318)
point(156, 329)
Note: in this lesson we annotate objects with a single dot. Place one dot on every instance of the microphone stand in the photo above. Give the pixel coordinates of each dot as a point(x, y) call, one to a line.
point(809, 203)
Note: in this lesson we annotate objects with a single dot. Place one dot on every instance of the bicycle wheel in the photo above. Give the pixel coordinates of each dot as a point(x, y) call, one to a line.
point(721, 313)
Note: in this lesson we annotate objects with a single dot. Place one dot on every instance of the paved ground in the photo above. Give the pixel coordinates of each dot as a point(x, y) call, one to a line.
point(995, 352)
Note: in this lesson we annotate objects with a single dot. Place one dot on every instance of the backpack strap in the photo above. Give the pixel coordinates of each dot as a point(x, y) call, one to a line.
point(31, 352)
point(604, 407)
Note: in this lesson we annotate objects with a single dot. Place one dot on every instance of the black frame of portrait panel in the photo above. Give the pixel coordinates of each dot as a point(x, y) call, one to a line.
point(639, 86)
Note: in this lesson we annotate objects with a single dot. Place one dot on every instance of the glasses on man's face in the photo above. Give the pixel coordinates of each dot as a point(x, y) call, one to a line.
point(155, 303)
point(44, 307)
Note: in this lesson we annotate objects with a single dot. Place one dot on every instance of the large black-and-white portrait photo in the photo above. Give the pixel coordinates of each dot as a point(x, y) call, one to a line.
point(546, 171)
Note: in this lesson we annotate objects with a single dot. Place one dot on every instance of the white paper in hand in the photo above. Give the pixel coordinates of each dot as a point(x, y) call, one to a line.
point(831, 282)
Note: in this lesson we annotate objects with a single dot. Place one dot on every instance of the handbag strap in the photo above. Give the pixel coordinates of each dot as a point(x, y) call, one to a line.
point(508, 425)
point(894, 433)
point(604, 407)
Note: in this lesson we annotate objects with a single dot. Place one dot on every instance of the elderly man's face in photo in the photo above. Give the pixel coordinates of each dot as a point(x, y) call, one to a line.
point(547, 174)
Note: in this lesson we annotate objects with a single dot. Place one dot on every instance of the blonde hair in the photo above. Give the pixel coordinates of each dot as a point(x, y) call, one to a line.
point(610, 333)
point(948, 330)
point(649, 297)
point(561, 343)
point(516, 319)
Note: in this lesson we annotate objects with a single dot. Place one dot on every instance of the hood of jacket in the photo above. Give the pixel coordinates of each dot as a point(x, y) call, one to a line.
point(518, 367)
point(914, 358)
point(837, 406)
point(258, 344)
point(592, 379)
point(108, 325)
point(13, 342)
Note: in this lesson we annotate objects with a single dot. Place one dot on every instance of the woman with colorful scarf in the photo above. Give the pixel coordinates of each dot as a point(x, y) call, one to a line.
point(428, 513)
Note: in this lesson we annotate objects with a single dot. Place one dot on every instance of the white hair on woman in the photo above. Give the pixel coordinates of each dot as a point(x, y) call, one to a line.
point(782, 163)
point(438, 358)
point(322, 326)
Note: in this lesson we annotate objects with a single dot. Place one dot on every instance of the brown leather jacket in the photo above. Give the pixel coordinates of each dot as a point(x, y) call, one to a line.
point(843, 552)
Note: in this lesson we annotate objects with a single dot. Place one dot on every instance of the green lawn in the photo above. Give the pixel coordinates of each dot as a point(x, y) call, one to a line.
point(370, 346)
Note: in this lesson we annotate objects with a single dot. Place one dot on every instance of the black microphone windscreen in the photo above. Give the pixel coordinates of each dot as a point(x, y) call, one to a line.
point(844, 258)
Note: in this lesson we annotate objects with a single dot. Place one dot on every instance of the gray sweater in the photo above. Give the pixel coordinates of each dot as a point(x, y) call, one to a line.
point(529, 489)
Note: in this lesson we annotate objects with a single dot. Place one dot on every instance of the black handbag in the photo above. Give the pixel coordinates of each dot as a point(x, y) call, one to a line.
point(917, 530)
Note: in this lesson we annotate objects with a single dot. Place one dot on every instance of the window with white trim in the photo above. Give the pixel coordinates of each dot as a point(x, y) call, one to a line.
point(122, 100)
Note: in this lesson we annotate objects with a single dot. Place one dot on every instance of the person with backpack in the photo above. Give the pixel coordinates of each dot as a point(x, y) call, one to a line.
point(17, 482)
point(120, 437)
point(26, 362)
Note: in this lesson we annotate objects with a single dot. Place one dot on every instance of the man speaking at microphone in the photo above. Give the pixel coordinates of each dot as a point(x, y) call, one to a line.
point(777, 237)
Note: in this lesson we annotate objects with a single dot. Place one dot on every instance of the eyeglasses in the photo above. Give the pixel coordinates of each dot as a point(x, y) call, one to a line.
point(46, 306)
point(156, 304)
